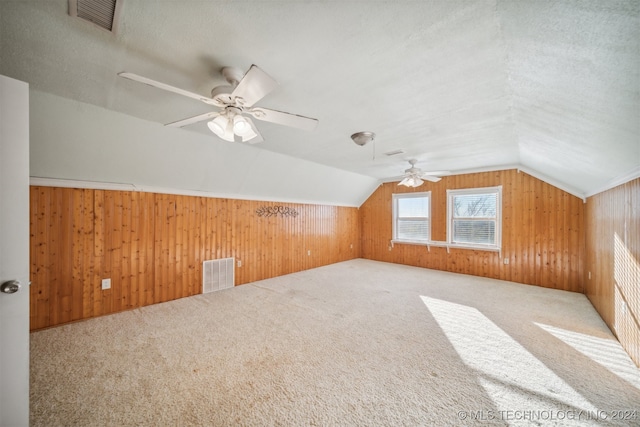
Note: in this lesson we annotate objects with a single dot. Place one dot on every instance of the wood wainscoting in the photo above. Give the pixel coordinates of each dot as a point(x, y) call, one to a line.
point(613, 261)
point(152, 246)
point(542, 231)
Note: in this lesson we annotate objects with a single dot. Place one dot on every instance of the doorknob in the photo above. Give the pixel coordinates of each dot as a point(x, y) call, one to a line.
point(10, 287)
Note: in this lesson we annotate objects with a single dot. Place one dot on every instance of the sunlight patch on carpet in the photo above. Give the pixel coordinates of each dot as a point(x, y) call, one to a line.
point(512, 377)
point(606, 352)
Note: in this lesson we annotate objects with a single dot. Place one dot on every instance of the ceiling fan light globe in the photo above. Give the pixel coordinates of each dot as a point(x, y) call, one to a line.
point(218, 125)
point(249, 135)
point(411, 181)
point(241, 127)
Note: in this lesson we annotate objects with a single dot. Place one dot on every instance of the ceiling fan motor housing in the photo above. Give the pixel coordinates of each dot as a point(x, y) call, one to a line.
point(232, 75)
point(222, 95)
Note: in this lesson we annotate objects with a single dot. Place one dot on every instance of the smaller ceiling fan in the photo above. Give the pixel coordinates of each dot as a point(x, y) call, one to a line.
point(414, 177)
point(235, 102)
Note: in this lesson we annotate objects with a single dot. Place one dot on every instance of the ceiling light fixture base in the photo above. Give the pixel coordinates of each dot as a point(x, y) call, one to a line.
point(232, 75)
point(363, 138)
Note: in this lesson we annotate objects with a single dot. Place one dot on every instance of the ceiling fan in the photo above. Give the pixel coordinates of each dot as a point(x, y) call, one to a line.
point(235, 104)
point(414, 177)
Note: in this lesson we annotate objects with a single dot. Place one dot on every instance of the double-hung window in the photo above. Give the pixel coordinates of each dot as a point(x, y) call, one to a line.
point(412, 217)
point(474, 217)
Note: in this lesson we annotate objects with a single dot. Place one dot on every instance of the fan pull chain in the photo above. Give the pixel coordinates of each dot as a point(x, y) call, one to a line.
point(374, 149)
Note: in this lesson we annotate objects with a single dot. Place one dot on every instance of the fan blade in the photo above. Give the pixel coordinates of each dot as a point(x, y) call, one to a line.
point(282, 118)
point(430, 178)
point(164, 86)
point(195, 119)
point(254, 86)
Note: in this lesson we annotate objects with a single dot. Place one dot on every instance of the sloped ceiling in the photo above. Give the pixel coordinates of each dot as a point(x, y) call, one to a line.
point(549, 86)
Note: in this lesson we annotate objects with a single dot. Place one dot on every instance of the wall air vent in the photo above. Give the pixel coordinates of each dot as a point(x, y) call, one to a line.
point(218, 274)
point(103, 13)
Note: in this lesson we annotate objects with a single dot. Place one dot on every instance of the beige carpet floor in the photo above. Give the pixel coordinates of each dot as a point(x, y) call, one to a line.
point(355, 343)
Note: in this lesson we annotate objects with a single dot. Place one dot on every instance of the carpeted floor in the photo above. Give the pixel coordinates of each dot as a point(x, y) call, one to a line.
point(356, 343)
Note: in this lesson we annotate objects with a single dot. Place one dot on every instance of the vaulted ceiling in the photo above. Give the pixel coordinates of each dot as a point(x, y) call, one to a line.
point(549, 86)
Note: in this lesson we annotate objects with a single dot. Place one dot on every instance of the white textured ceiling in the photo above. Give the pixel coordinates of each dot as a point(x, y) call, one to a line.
point(552, 86)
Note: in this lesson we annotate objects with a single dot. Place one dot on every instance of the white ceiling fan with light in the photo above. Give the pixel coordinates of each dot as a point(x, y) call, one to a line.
point(235, 103)
point(414, 177)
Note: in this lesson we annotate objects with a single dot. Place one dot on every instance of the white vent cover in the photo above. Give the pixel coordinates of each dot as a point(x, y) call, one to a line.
point(103, 13)
point(394, 153)
point(218, 274)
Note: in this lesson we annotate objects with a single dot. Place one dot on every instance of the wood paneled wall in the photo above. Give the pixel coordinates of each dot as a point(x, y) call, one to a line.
point(542, 231)
point(152, 246)
point(613, 261)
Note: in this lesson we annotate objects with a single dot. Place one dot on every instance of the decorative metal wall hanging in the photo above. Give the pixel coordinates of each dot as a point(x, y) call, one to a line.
point(276, 210)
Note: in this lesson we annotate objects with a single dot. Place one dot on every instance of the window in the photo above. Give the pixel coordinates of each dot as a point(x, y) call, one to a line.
point(411, 217)
point(474, 217)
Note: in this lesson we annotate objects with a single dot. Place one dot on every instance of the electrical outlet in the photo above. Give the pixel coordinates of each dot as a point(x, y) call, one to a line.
point(106, 284)
point(351, 246)
point(589, 275)
point(309, 252)
point(239, 263)
point(506, 261)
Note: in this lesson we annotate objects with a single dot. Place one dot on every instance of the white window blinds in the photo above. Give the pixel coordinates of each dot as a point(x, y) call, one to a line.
point(411, 215)
point(474, 217)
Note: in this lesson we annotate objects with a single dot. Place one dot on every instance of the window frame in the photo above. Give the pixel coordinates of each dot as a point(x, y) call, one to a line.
point(397, 196)
point(497, 246)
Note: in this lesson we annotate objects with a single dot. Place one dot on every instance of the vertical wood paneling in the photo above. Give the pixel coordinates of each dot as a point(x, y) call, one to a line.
point(41, 247)
point(152, 246)
point(98, 258)
point(134, 253)
point(56, 280)
point(105, 303)
point(542, 231)
point(78, 243)
point(117, 262)
point(612, 223)
point(148, 275)
point(87, 258)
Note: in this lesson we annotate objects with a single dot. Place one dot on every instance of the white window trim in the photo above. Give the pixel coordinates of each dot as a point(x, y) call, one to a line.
point(483, 190)
point(394, 198)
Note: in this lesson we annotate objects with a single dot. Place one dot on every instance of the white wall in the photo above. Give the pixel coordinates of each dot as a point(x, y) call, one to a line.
point(76, 141)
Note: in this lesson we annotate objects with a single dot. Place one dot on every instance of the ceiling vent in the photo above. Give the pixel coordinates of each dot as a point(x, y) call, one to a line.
point(394, 153)
point(103, 13)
